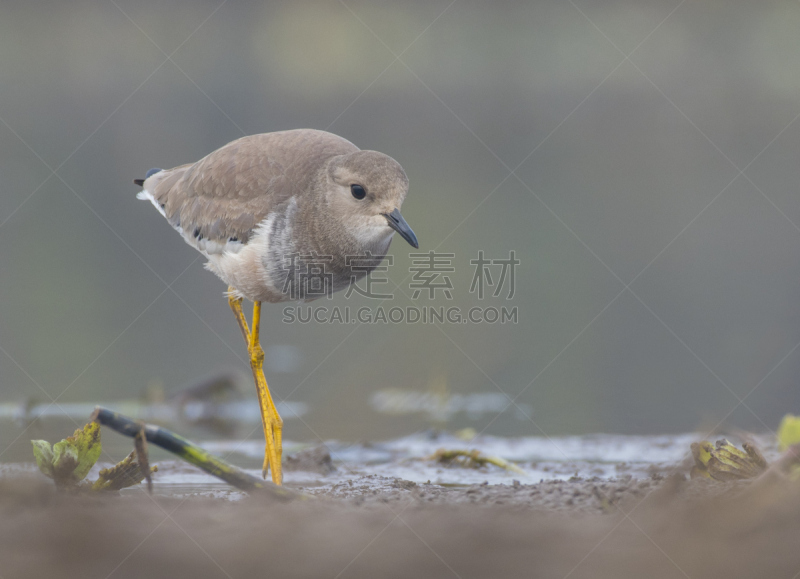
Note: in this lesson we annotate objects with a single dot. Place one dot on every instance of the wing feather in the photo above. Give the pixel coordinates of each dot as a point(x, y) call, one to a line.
point(224, 196)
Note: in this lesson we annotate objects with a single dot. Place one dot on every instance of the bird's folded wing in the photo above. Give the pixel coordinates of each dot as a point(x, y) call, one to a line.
point(224, 196)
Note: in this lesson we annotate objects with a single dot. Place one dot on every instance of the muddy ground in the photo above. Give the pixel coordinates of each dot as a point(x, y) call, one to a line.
point(373, 526)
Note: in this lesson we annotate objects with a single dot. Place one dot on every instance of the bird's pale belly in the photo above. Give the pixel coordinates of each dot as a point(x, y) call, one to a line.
point(260, 275)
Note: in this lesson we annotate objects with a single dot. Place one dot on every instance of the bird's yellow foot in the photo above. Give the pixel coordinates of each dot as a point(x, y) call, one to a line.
point(270, 419)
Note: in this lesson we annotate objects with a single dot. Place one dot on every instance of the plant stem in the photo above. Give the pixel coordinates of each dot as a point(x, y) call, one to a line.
point(193, 454)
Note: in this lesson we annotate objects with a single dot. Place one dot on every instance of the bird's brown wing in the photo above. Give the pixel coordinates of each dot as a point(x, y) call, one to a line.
point(225, 195)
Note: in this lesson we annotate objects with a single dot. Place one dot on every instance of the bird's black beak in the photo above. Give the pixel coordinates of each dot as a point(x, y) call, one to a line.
point(399, 224)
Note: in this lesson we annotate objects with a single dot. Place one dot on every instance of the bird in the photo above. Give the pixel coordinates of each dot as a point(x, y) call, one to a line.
point(279, 217)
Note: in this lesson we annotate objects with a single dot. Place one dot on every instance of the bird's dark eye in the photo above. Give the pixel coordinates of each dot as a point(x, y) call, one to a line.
point(358, 191)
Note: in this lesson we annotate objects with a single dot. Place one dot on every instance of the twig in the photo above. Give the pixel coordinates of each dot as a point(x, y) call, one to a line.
point(140, 447)
point(474, 457)
point(195, 455)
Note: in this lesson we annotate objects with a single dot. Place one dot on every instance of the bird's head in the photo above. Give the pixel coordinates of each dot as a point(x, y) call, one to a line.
point(365, 190)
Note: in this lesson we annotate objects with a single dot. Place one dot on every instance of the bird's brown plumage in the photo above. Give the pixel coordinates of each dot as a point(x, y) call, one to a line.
point(226, 194)
point(265, 209)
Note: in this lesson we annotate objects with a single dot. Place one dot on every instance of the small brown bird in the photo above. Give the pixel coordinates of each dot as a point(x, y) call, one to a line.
point(290, 215)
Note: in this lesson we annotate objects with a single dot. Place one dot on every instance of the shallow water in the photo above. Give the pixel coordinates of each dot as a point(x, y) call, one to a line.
point(598, 455)
point(605, 456)
point(409, 458)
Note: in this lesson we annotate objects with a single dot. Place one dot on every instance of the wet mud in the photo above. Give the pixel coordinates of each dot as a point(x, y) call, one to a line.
point(598, 507)
point(382, 527)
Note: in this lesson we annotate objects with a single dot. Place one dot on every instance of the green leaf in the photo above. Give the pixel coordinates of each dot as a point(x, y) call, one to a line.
point(65, 460)
point(44, 456)
point(69, 461)
point(788, 432)
point(724, 462)
point(88, 447)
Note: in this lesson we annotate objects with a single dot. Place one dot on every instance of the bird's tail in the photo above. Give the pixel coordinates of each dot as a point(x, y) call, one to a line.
point(149, 174)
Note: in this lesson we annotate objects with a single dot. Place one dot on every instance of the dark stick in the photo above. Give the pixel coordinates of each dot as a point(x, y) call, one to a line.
point(192, 453)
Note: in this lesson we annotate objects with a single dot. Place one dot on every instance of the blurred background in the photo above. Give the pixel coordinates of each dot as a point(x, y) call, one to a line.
point(640, 159)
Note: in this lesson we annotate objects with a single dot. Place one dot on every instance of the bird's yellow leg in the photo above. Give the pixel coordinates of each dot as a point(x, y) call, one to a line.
point(273, 424)
point(270, 419)
point(236, 306)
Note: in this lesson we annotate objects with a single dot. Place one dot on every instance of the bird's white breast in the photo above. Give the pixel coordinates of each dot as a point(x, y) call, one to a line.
point(250, 268)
